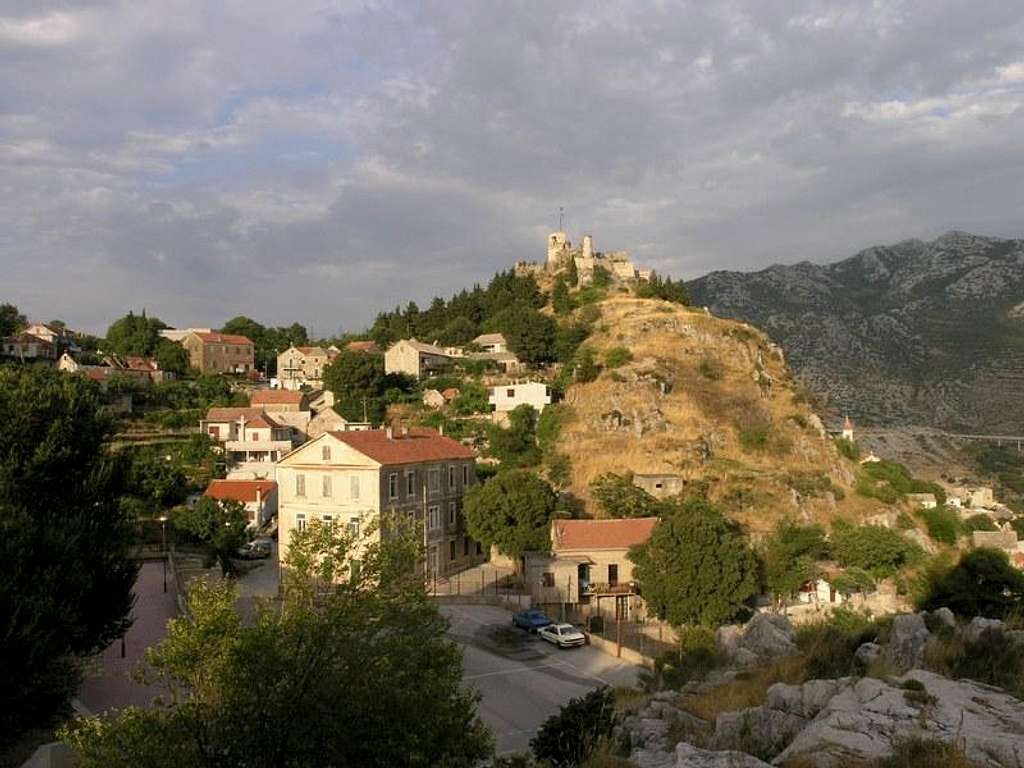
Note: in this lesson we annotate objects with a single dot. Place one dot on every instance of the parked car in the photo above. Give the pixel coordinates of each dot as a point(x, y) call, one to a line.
point(532, 619)
point(563, 635)
point(254, 550)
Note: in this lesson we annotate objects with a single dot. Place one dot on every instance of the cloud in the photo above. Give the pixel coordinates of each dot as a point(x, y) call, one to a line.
point(321, 163)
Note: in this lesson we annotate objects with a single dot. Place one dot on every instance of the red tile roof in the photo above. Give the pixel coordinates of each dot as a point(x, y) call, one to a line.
point(602, 534)
point(240, 490)
point(141, 364)
point(222, 338)
point(362, 346)
point(275, 397)
point(318, 351)
point(420, 445)
point(263, 420)
point(232, 414)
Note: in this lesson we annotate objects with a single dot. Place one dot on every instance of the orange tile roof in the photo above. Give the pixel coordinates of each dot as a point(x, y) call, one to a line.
point(240, 490)
point(141, 364)
point(602, 534)
point(319, 351)
point(231, 414)
point(362, 346)
point(275, 397)
point(263, 420)
point(222, 338)
point(419, 446)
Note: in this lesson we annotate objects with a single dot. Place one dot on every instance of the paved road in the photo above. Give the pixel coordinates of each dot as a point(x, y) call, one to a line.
point(524, 680)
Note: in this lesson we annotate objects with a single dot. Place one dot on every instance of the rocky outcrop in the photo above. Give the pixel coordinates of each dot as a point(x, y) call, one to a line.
point(908, 641)
point(766, 636)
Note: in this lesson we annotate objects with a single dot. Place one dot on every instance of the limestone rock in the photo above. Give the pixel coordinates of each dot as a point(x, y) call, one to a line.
point(646, 732)
point(908, 640)
point(769, 635)
point(688, 756)
point(867, 653)
point(806, 700)
point(980, 624)
point(944, 617)
point(757, 729)
point(864, 720)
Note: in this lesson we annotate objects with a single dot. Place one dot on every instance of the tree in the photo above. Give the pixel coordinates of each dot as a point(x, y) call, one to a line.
point(567, 739)
point(667, 289)
point(134, 335)
point(791, 555)
point(220, 525)
point(472, 398)
point(459, 331)
point(159, 483)
point(357, 379)
point(64, 543)
point(878, 550)
point(516, 445)
point(171, 357)
point(572, 276)
point(619, 497)
point(561, 301)
point(213, 389)
point(602, 277)
point(529, 334)
point(512, 510)
point(697, 567)
point(585, 366)
point(568, 339)
point(943, 524)
point(11, 320)
point(352, 668)
point(983, 583)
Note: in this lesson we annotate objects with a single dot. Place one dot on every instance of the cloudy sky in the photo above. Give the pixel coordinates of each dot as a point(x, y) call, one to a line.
point(317, 160)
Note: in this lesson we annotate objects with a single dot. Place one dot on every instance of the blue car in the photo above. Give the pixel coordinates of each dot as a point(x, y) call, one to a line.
point(531, 619)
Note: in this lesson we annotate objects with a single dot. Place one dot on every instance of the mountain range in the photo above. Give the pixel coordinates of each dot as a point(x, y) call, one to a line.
point(916, 333)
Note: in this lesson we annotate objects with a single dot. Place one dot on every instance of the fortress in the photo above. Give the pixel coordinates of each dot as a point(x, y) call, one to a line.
point(561, 254)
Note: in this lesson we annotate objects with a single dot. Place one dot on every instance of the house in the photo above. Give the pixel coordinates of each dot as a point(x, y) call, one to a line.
point(177, 335)
point(103, 374)
point(491, 342)
point(259, 497)
point(660, 486)
point(219, 352)
point(24, 346)
point(252, 439)
point(366, 347)
point(494, 349)
point(351, 478)
point(588, 560)
point(416, 359)
point(923, 500)
point(299, 367)
point(61, 338)
point(508, 397)
point(279, 400)
point(1005, 538)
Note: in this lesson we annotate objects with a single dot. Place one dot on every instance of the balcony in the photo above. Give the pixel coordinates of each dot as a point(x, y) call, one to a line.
point(601, 589)
point(261, 446)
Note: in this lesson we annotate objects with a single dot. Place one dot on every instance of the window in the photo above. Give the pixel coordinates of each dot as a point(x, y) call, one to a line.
point(613, 574)
point(353, 487)
point(353, 527)
point(327, 520)
point(547, 579)
point(510, 393)
point(300, 522)
point(300, 485)
point(451, 550)
point(325, 453)
point(433, 518)
point(452, 514)
point(327, 486)
point(451, 477)
point(465, 474)
point(410, 482)
point(255, 436)
point(393, 485)
point(434, 480)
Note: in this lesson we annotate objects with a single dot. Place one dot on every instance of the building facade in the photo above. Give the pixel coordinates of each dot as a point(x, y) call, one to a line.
point(25, 346)
point(352, 478)
point(259, 497)
point(299, 367)
point(416, 359)
point(508, 397)
point(220, 352)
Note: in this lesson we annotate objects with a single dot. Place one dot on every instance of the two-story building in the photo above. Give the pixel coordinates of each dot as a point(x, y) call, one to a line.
point(299, 367)
point(219, 352)
point(279, 400)
point(25, 346)
point(416, 359)
point(352, 478)
point(507, 397)
point(259, 497)
point(253, 440)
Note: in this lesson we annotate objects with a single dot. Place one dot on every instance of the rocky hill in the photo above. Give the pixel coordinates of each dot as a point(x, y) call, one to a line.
point(709, 401)
point(913, 333)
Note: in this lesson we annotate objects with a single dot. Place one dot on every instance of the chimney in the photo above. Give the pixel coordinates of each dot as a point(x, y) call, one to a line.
point(259, 496)
point(389, 432)
point(405, 431)
point(440, 429)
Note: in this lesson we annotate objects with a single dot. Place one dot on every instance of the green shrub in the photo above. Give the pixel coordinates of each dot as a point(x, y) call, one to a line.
point(617, 356)
point(898, 477)
point(983, 583)
point(979, 523)
point(871, 489)
point(829, 646)
point(848, 448)
point(755, 438)
point(879, 551)
point(810, 484)
point(697, 656)
point(710, 369)
point(943, 524)
point(567, 739)
point(905, 522)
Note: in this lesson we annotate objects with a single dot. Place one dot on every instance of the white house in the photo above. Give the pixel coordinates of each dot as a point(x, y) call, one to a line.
point(508, 397)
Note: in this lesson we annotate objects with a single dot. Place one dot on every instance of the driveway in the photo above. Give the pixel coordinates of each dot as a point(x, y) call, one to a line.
point(524, 680)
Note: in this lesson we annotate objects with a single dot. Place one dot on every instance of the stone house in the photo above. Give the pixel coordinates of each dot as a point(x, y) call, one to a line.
point(507, 397)
point(299, 367)
point(25, 346)
point(352, 478)
point(416, 359)
point(491, 342)
point(220, 352)
point(259, 497)
point(923, 500)
point(1005, 538)
point(279, 400)
point(588, 560)
point(660, 486)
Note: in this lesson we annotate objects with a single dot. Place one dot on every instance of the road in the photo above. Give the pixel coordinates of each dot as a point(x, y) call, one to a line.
point(522, 679)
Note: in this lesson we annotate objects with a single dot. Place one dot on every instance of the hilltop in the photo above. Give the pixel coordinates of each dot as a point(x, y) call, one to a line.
point(710, 401)
point(923, 333)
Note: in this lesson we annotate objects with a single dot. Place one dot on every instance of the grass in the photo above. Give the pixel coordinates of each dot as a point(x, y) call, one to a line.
point(616, 357)
point(993, 659)
point(750, 689)
point(910, 753)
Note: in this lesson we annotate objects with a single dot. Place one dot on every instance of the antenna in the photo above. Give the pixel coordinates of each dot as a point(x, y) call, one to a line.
point(561, 218)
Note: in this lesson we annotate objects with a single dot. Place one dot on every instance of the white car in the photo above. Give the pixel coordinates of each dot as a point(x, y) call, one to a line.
point(562, 635)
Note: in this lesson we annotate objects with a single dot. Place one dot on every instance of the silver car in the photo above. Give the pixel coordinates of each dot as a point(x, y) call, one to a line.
point(563, 635)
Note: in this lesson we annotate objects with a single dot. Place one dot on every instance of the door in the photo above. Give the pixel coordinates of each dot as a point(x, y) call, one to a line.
point(583, 579)
point(613, 574)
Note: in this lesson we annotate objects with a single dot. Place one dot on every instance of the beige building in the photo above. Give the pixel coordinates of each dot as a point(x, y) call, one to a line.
point(660, 486)
point(299, 367)
point(219, 352)
point(279, 400)
point(25, 346)
point(507, 397)
point(351, 478)
point(252, 439)
point(588, 560)
point(416, 359)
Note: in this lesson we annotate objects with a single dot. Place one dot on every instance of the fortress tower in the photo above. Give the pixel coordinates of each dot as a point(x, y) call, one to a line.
point(559, 249)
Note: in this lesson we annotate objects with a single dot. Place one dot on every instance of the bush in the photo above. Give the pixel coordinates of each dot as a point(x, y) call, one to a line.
point(755, 438)
point(983, 583)
point(617, 356)
point(696, 657)
point(848, 448)
point(905, 522)
point(829, 646)
point(710, 369)
point(979, 523)
point(919, 753)
point(943, 524)
point(879, 551)
point(567, 739)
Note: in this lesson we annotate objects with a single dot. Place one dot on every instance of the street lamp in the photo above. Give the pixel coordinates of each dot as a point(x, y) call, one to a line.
point(163, 540)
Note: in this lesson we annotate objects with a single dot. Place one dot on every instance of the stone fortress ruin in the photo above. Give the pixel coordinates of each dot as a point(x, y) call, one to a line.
point(561, 254)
